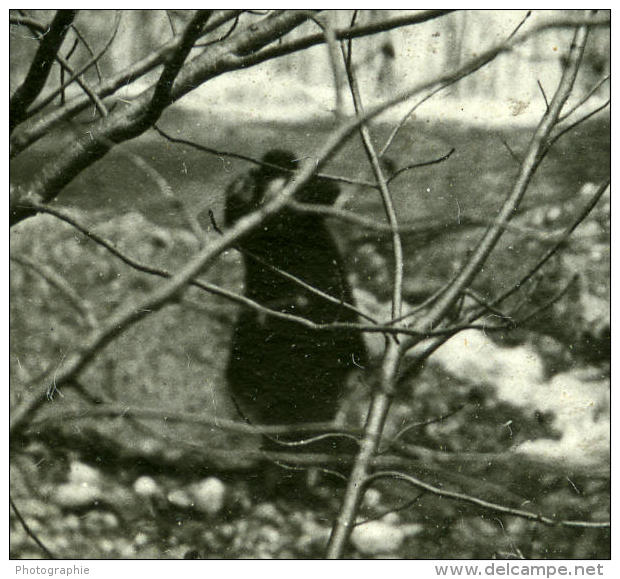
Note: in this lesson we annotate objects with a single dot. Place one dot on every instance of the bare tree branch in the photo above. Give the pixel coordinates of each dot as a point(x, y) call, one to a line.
point(89, 49)
point(418, 165)
point(68, 56)
point(352, 32)
point(23, 137)
point(381, 397)
point(78, 73)
point(212, 288)
point(40, 67)
point(134, 119)
point(128, 314)
point(110, 410)
point(162, 94)
point(530, 163)
point(585, 98)
point(29, 531)
point(552, 522)
point(556, 246)
point(219, 153)
point(432, 93)
point(576, 123)
point(60, 283)
point(65, 66)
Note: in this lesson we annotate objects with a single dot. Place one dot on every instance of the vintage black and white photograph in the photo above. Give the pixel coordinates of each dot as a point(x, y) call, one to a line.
point(309, 284)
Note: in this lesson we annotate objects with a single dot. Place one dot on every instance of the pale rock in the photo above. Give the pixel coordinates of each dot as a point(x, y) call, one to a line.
point(268, 512)
point(180, 498)
point(76, 495)
point(72, 523)
point(81, 473)
point(146, 486)
point(372, 498)
point(209, 495)
point(376, 538)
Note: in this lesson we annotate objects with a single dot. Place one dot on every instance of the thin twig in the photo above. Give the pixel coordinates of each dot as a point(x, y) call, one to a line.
point(29, 531)
point(421, 164)
point(21, 139)
point(544, 95)
point(531, 162)
point(166, 190)
point(220, 153)
point(62, 70)
point(557, 245)
point(398, 509)
point(110, 410)
point(89, 49)
point(386, 197)
point(171, 22)
point(486, 504)
point(40, 67)
point(584, 99)
point(512, 153)
point(289, 276)
point(442, 86)
point(548, 303)
point(224, 36)
point(60, 283)
point(332, 49)
point(576, 123)
point(75, 75)
point(523, 21)
point(488, 306)
point(421, 227)
point(424, 423)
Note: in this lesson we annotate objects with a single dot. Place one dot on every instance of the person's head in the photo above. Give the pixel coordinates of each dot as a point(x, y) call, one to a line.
point(278, 163)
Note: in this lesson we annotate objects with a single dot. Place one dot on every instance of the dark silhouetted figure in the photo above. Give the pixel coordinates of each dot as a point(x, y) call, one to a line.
point(280, 372)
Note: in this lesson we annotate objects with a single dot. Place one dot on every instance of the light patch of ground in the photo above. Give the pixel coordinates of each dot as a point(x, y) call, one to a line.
point(578, 399)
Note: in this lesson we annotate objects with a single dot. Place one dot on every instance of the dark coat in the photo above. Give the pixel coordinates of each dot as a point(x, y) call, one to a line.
point(279, 371)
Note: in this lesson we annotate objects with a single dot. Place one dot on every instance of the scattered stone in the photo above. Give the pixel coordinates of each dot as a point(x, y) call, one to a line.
point(76, 495)
point(80, 473)
point(372, 498)
point(209, 495)
point(94, 521)
point(181, 499)
point(377, 537)
point(140, 539)
point(109, 520)
point(313, 538)
point(268, 512)
point(125, 549)
point(227, 531)
point(58, 544)
point(146, 486)
point(107, 546)
point(72, 523)
point(270, 535)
